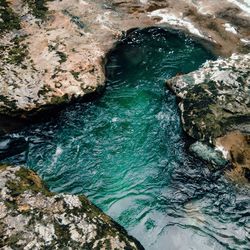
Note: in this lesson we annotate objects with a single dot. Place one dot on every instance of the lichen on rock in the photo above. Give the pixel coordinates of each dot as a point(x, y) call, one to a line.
point(53, 52)
point(31, 217)
point(215, 99)
point(215, 102)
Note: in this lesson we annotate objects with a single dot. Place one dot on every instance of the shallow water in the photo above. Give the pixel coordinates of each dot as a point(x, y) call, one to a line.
point(127, 152)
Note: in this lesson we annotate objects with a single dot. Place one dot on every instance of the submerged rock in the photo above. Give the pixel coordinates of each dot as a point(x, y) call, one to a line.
point(31, 217)
point(53, 52)
point(208, 154)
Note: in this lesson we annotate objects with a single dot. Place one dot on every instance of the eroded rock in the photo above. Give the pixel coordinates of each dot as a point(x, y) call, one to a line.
point(236, 148)
point(215, 99)
point(33, 218)
point(215, 108)
point(53, 52)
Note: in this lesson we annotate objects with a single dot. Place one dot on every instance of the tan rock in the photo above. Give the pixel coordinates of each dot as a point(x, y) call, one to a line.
point(236, 147)
point(54, 61)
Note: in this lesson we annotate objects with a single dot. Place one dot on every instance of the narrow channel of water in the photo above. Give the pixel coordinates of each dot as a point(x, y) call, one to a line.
point(127, 152)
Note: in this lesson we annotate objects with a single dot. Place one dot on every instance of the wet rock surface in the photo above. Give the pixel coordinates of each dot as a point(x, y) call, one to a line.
point(53, 52)
point(208, 154)
point(215, 107)
point(215, 98)
point(33, 218)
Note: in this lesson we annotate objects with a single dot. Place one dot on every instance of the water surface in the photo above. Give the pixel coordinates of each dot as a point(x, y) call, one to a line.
point(127, 152)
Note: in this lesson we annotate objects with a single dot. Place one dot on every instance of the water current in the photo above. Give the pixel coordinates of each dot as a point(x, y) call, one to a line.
point(127, 153)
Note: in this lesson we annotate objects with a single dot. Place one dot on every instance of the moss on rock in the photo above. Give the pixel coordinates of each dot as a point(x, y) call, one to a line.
point(38, 7)
point(8, 19)
point(31, 216)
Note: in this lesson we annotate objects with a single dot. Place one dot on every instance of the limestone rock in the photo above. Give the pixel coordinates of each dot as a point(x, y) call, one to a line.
point(215, 109)
point(216, 98)
point(53, 52)
point(33, 218)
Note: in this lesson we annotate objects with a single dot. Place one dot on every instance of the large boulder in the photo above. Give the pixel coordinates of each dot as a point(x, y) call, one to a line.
point(216, 98)
point(215, 108)
point(31, 217)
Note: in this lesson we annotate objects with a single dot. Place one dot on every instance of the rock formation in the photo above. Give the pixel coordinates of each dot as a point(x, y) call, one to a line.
point(215, 107)
point(33, 218)
point(215, 98)
point(53, 52)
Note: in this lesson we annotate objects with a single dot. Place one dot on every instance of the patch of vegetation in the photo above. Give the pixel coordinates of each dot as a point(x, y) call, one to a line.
point(75, 19)
point(44, 90)
point(38, 8)
point(62, 55)
point(8, 19)
point(27, 180)
point(62, 232)
point(75, 74)
point(17, 53)
point(11, 241)
point(56, 100)
point(10, 103)
point(51, 48)
point(3, 166)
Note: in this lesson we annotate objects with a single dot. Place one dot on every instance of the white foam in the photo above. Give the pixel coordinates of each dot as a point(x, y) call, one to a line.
point(224, 152)
point(59, 151)
point(57, 154)
point(115, 119)
point(175, 21)
point(246, 41)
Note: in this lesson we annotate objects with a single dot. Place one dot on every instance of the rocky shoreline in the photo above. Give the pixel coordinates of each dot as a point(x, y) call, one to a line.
point(31, 217)
point(215, 108)
point(54, 52)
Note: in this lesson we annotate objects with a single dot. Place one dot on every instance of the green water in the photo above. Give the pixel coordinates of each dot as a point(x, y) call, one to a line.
point(127, 152)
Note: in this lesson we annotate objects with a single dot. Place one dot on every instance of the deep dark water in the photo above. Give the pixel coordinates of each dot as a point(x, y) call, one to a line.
point(127, 152)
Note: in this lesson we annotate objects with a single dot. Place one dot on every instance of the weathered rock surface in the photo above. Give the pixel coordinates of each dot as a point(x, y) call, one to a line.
point(215, 99)
point(215, 102)
point(208, 154)
point(236, 148)
point(33, 218)
point(53, 52)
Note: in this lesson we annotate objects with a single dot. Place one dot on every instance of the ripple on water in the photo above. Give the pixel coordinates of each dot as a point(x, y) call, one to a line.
point(126, 151)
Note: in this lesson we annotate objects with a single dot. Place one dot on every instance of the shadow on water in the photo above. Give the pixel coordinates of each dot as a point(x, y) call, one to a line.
point(127, 152)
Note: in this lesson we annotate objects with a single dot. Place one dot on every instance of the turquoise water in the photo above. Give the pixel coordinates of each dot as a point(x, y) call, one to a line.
point(127, 152)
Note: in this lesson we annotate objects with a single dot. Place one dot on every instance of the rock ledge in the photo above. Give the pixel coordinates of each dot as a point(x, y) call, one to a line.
point(31, 217)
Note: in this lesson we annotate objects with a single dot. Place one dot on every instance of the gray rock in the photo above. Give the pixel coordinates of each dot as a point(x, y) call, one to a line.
point(31, 217)
point(216, 98)
point(208, 154)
